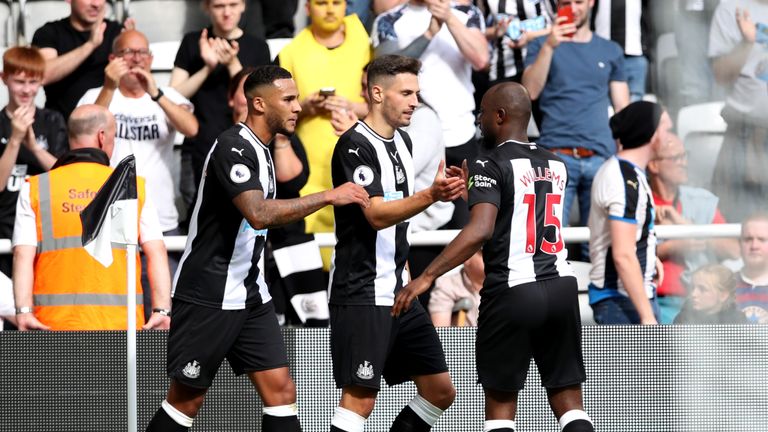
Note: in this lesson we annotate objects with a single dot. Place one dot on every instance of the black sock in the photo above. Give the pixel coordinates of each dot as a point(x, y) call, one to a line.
point(502, 430)
point(162, 422)
point(335, 429)
point(280, 424)
point(409, 421)
point(579, 426)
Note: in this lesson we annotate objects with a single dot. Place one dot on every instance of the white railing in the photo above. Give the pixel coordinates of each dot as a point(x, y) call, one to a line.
point(439, 238)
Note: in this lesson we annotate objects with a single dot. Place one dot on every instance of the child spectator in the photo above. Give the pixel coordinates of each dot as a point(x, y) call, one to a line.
point(712, 299)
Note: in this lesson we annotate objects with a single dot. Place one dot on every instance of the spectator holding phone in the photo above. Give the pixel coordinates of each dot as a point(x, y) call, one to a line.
point(510, 25)
point(571, 73)
point(326, 60)
point(738, 49)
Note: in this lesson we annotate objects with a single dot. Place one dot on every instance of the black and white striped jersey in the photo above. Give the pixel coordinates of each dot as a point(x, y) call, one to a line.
point(620, 192)
point(369, 265)
point(626, 22)
point(219, 267)
point(527, 184)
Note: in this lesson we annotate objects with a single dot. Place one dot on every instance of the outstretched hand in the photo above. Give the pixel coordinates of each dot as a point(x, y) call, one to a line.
point(157, 322)
point(447, 188)
point(28, 321)
point(463, 173)
point(408, 294)
point(349, 193)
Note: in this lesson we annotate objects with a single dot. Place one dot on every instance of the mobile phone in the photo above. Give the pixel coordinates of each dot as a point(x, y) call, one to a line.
point(327, 91)
point(567, 12)
point(514, 30)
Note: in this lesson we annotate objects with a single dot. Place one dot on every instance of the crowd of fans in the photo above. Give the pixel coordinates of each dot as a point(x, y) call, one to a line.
point(580, 60)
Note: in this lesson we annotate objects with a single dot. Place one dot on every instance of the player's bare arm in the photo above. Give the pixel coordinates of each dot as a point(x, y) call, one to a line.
point(482, 220)
point(383, 214)
point(262, 213)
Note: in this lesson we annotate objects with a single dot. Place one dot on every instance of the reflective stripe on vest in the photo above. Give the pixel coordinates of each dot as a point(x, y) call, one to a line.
point(48, 242)
point(85, 299)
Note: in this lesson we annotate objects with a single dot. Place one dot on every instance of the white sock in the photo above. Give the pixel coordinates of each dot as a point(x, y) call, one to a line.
point(177, 416)
point(498, 424)
point(281, 410)
point(347, 420)
point(573, 415)
point(425, 410)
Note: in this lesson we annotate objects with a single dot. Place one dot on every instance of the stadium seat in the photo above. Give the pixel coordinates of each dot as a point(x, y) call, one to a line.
point(275, 45)
point(164, 54)
point(582, 276)
point(7, 24)
point(166, 20)
point(701, 128)
point(667, 70)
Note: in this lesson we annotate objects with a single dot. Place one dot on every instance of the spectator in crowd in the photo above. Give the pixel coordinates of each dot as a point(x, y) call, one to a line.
point(451, 288)
point(752, 287)
point(692, 26)
point(58, 285)
point(205, 62)
point(575, 75)
point(268, 19)
point(30, 137)
point(739, 54)
point(679, 204)
point(628, 23)
point(622, 244)
point(293, 264)
point(326, 60)
point(449, 39)
point(147, 120)
point(712, 298)
point(76, 50)
point(508, 43)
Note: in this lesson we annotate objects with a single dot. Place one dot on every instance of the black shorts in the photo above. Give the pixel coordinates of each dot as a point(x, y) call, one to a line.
point(201, 337)
point(538, 319)
point(368, 343)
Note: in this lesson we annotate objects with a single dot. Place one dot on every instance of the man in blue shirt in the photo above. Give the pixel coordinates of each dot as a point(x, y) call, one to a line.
point(572, 72)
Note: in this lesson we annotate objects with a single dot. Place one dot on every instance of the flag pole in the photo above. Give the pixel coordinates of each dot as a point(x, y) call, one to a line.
point(130, 254)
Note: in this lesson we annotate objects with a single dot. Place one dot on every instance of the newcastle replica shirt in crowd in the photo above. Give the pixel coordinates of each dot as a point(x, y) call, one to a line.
point(219, 267)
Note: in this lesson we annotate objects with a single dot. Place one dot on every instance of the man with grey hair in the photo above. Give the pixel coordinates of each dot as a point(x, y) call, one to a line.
point(57, 284)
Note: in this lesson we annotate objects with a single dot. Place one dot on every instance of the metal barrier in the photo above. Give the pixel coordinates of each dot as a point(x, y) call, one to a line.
point(658, 378)
point(439, 238)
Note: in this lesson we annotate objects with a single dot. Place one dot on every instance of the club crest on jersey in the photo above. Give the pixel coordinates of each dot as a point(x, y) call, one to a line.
point(239, 173)
point(363, 175)
point(191, 370)
point(399, 174)
point(365, 371)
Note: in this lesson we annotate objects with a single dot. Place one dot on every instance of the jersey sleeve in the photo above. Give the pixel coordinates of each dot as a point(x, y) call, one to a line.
point(358, 164)
point(45, 37)
point(235, 173)
point(620, 198)
point(484, 182)
point(24, 227)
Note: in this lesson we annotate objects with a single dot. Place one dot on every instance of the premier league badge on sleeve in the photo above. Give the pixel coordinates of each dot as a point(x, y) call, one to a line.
point(239, 173)
point(363, 175)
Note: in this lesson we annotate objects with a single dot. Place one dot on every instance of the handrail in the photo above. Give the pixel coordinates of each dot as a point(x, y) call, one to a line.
point(440, 238)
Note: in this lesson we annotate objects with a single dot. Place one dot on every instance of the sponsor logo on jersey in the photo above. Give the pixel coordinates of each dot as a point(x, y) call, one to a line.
point(239, 173)
point(365, 371)
point(356, 151)
point(633, 184)
point(191, 370)
point(481, 181)
point(363, 175)
point(238, 151)
point(481, 162)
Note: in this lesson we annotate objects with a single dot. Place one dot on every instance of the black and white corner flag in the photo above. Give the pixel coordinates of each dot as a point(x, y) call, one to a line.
point(113, 215)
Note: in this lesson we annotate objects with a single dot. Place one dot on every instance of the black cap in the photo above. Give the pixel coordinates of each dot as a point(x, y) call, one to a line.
point(635, 125)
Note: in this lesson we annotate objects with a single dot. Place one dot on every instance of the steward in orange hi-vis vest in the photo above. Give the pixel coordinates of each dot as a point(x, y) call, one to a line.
point(73, 291)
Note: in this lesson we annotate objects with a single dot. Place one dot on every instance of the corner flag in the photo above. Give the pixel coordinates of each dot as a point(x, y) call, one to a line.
point(113, 215)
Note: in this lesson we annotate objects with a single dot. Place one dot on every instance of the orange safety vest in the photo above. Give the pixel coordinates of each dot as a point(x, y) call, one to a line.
point(73, 291)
